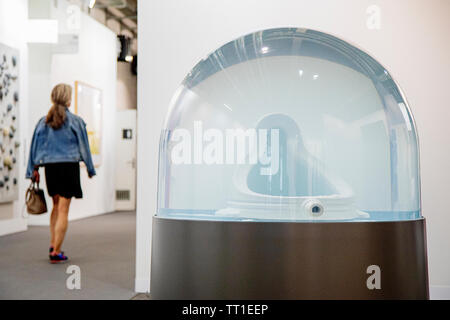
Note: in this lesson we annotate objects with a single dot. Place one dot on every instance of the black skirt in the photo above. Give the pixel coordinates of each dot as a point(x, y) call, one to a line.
point(63, 179)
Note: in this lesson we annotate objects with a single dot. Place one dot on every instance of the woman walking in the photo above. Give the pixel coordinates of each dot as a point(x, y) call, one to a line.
point(59, 143)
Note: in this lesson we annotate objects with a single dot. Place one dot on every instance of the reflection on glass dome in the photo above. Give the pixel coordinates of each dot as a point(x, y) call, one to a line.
point(289, 125)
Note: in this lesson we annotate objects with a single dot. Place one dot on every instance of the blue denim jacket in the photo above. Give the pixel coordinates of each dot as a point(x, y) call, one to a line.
point(67, 144)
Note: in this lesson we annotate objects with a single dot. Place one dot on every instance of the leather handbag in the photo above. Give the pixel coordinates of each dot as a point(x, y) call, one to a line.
point(35, 199)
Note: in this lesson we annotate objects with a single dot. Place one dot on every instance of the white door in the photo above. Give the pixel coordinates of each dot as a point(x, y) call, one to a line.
point(126, 160)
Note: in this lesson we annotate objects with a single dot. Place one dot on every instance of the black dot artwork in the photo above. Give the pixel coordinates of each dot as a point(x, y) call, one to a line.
point(9, 125)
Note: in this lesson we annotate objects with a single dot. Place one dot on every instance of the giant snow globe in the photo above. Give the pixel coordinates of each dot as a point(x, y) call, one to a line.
point(289, 155)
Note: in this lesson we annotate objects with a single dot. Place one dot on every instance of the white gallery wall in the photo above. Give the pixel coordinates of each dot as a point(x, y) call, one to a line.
point(94, 63)
point(13, 21)
point(126, 87)
point(412, 42)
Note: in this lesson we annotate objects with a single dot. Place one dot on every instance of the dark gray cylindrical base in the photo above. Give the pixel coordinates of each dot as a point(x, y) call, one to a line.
point(288, 260)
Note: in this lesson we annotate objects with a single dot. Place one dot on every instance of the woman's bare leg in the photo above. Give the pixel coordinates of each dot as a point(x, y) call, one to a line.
point(61, 223)
point(53, 218)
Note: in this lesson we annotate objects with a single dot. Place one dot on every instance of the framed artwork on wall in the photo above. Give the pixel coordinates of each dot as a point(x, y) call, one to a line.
point(89, 106)
point(10, 155)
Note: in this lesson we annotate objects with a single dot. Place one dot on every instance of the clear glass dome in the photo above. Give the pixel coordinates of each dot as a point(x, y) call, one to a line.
point(289, 125)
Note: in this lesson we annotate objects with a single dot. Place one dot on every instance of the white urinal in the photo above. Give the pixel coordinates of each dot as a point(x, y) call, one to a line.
point(315, 195)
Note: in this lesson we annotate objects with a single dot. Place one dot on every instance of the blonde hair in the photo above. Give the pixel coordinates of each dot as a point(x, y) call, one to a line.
point(61, 97)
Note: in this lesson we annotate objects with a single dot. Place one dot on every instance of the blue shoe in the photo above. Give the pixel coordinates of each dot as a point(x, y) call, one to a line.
point(59, 258)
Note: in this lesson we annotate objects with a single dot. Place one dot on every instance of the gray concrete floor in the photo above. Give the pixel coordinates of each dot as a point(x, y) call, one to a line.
point(103, 247)
point(142, 296)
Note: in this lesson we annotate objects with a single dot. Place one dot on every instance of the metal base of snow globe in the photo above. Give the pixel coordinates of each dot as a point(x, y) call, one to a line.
point(195, 259)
